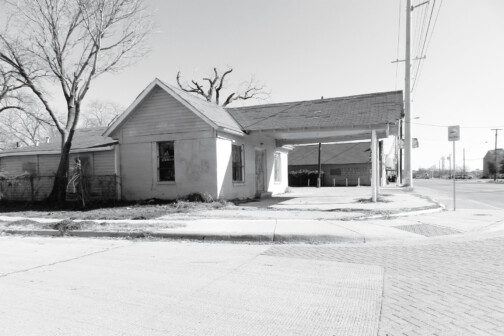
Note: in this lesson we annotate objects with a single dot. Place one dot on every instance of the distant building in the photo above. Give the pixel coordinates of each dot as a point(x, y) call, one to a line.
point(489, 159)
point(341, 164)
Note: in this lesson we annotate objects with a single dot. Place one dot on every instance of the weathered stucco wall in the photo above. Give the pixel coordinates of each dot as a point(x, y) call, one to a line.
point(195, 169)
point(231, 190)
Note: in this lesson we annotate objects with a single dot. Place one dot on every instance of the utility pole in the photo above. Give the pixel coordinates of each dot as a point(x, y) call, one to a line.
point(463, 166)
point(449, 160)
point(495, 152)
point(407, 174)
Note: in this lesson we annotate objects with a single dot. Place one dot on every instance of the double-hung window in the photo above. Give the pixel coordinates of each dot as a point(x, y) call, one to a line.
point(166, 161)
point(238, 166)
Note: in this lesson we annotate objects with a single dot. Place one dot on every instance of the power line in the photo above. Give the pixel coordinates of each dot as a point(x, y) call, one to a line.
point(437, 125)
point(423, 50)
point(429, 41)
point(420, 32)
point(275, 114)
point(398, 42)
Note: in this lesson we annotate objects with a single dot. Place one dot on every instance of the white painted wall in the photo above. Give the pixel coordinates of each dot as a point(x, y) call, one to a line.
point(278, 187)
point(227, 189)
point(195, 169)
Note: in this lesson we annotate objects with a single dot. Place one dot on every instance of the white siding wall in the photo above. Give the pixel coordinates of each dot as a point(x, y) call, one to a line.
point(45, 167)
point(48, 165)
point(104, 163)
point(161, 114)
point(160, 117)
point(13, 165)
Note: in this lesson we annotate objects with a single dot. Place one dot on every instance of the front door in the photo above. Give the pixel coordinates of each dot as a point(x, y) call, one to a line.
point(260, 170)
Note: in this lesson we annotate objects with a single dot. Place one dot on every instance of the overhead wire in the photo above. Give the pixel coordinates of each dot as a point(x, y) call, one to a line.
point(421, 52)
point(398, 43)
point(418, 52)
point(436, 125)
point(421, 28)
point(428, 38)
point(276, 113)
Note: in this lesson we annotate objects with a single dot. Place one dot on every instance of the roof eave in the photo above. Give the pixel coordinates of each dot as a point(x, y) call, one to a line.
point(56, 152)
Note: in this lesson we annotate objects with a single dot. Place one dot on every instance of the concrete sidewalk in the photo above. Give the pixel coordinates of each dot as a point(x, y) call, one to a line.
point(327, 215)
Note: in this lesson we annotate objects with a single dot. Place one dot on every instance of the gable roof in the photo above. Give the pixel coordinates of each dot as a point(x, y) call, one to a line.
point(345, 153)
point(85, 139)
point(361, 110)
point(215, 115)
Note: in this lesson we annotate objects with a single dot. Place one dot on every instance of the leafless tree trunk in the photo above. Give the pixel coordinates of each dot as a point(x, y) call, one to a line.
point(212, 88)
point(70, 42)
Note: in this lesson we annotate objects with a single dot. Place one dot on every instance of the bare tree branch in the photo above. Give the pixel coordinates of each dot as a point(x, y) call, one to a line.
point(100, 114)
point(216, 85)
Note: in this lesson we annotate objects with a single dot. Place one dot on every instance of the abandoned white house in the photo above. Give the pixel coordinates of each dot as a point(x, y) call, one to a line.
point(168, 144)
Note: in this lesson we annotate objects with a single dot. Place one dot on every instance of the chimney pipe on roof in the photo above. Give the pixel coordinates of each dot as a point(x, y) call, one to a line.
point(47, 139)
point(37, 142)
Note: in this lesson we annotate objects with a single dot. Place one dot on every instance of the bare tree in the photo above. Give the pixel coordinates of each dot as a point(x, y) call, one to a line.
point(9, 91)
point(24, 128)
point(100, 114)
point(213, 88)
point(70, 43)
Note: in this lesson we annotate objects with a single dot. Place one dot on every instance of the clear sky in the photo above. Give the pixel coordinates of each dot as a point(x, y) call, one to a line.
point(307, 49)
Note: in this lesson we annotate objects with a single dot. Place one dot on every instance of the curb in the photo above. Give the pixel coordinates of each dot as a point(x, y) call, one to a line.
point(277, 238)
point(406, 213)
point(439, 207)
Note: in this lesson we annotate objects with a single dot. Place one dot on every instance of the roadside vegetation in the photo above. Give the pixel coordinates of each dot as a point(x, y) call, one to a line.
point(149, 209)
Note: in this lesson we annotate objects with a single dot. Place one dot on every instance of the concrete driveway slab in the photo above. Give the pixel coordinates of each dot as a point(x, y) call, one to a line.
point(158, 288)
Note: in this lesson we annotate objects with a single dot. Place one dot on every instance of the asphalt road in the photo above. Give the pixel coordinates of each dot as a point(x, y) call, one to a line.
point(470, 194)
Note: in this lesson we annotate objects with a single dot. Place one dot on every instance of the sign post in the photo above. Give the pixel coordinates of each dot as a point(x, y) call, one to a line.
point(454, 135)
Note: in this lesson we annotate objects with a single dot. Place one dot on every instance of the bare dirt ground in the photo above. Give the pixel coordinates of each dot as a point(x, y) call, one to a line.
point(109, 212)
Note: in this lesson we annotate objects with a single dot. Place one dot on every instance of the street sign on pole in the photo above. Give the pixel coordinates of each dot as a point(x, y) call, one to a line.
point(454, 135)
